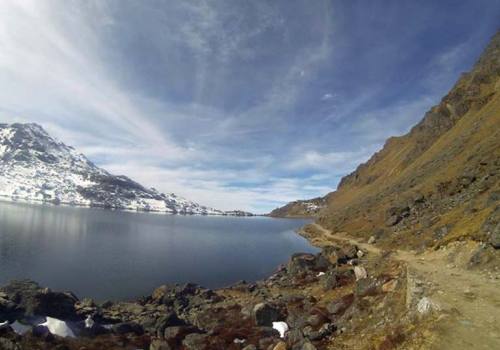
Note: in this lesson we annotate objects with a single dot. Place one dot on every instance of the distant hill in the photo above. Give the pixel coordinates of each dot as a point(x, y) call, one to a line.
point(36, 167)
point(439, 182)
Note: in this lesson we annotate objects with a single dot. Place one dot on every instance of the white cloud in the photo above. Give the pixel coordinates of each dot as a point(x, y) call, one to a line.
point(326, 97)
point(62, 64)
point(213, 187)
point(333, 162)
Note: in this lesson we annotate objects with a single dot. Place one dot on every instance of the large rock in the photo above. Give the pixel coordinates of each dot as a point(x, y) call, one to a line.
point(338, 307)
point(266, 314)
point(367, 287)
point(32, 300)
point(301, 263)
point(159, 324)
point(127, 327)
point(331, 280)
point(340, 255)
point(396, 213)
point(183, 296)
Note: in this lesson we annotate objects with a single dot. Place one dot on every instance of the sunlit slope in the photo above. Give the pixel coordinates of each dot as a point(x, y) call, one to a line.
point(446, 166)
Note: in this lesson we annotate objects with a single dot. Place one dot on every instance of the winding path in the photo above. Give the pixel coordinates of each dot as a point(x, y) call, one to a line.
point(470, 299)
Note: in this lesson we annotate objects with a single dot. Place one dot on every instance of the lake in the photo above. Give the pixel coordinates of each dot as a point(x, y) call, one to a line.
point(120, 255)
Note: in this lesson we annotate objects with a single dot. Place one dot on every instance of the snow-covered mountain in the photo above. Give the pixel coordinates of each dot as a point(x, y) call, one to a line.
point(36, 167)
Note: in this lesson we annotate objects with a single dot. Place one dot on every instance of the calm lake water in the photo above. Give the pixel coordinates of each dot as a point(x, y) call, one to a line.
point(114, 255)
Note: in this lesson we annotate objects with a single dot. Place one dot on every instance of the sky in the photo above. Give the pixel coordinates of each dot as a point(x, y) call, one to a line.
point(234, 104)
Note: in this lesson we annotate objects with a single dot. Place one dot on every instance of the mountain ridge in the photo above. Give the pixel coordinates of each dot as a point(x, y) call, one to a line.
point(440, 181)
point(36, 167)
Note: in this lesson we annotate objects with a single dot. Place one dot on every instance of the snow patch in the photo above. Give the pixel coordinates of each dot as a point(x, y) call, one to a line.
point(281, 327)
point(58, 327)
point(89, 322)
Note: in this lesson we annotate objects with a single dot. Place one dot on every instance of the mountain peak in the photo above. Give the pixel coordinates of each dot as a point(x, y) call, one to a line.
point(36, 167)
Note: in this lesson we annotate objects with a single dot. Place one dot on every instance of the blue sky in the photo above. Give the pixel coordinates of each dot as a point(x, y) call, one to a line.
point(234, 104)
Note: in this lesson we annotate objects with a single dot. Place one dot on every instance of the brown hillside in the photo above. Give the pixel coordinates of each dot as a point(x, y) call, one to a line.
point(300, 209)
point(440, 181)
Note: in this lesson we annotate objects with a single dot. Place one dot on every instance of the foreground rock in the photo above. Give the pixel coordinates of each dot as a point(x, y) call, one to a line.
point(310, 303)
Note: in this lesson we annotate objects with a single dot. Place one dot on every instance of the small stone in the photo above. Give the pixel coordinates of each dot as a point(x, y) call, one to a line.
point(360, 272)
point(426, 305)
point(366, 287)
point(389, 286)
point(250, 347)
point(195, 341)
point(280, 346)
point(158, 344)
point(308, 346)
point(372, 240)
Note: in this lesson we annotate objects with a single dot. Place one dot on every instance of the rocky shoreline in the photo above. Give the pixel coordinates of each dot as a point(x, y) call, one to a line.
point(310, 303)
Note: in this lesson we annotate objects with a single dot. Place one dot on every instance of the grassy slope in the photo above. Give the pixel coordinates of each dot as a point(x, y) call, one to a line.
point(458, 138)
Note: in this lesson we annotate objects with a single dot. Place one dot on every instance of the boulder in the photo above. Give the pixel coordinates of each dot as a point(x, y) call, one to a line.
point(265, 314)
point(330, 280)
point(338, 307)
point(280, 346)
point(176, 333)
point(127, 327)
point(295, 337)
point(32, 300)
point(43, 332)
point(301, 264)
point(322, 263)
point(314, 320)
point(366, 287)
point(340, 255)
point(324, 331)
point(159, 324)
point(396, 213)
point(173, 332)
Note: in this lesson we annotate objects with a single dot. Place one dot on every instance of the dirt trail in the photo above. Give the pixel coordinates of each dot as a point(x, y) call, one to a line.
point(469, 299)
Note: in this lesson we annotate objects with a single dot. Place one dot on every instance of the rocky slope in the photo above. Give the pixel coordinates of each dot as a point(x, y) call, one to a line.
point(320, 300)
point(438, 183)
point(36, 167)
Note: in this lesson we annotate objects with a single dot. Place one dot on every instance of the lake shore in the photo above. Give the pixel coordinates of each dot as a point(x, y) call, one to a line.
point(319, 299)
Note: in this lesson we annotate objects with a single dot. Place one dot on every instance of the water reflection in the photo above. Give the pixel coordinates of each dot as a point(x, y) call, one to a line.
point(117, 255)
